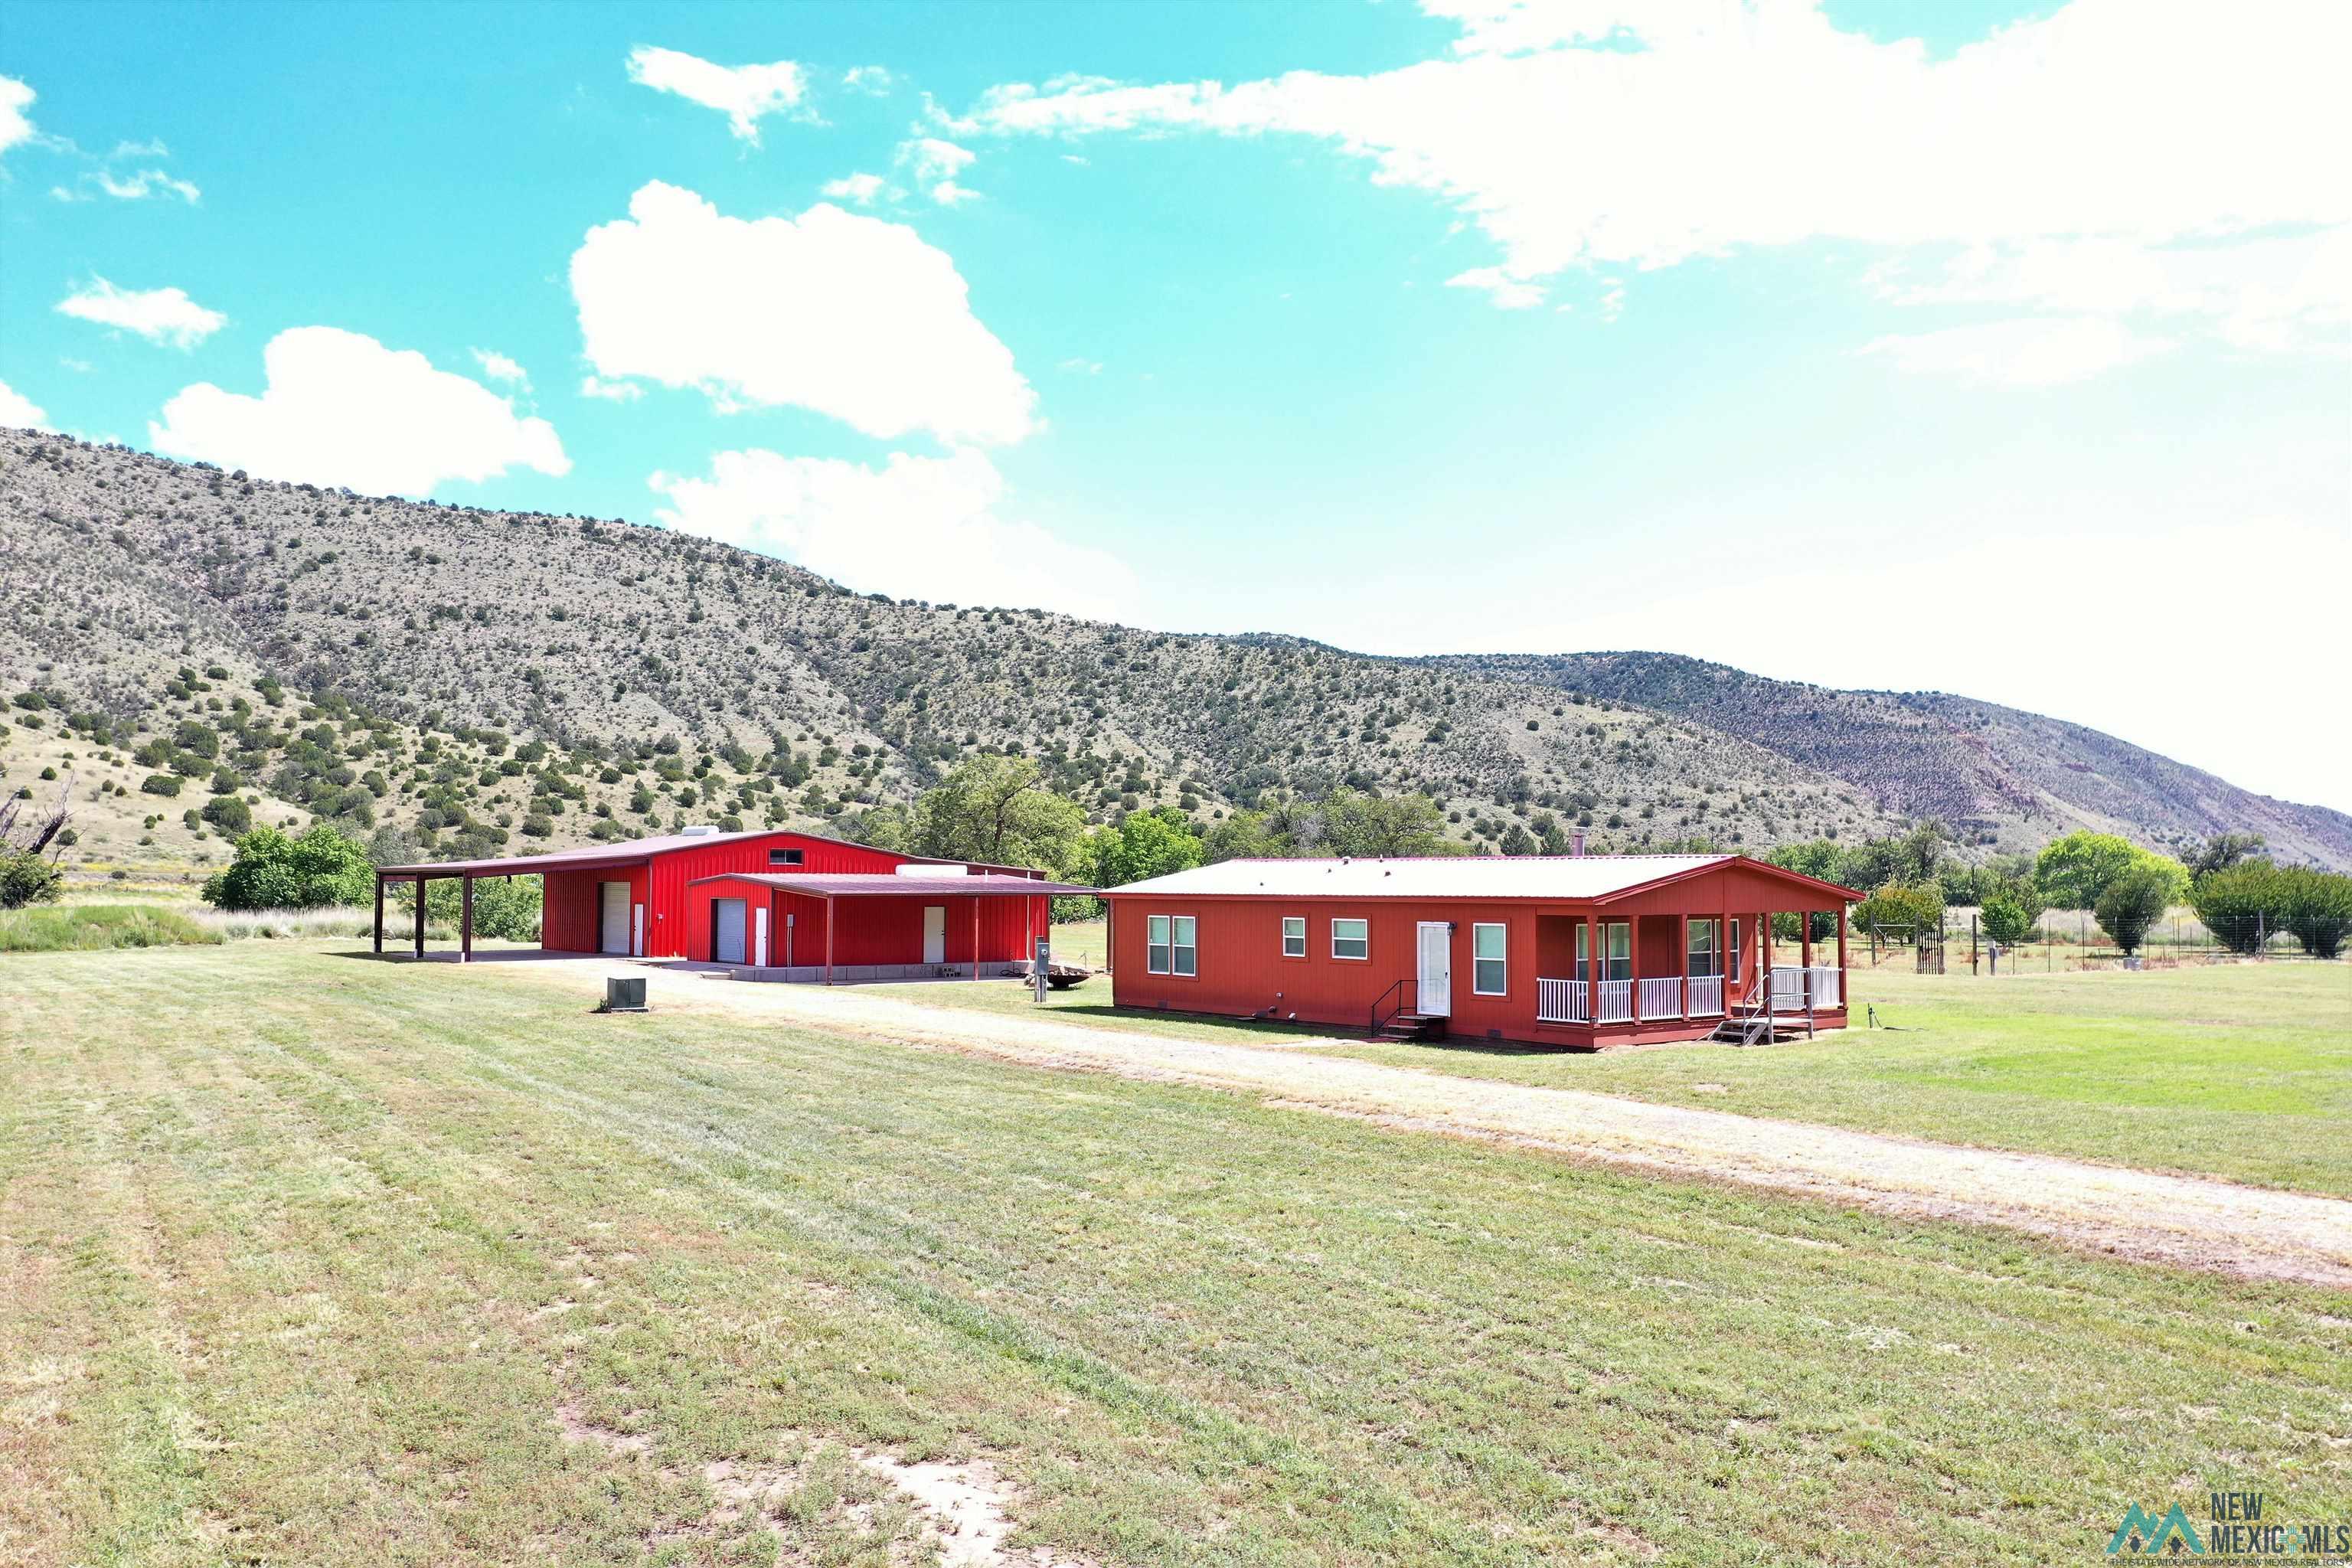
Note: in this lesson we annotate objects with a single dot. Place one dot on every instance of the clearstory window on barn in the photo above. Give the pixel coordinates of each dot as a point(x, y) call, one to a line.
point(1581, 952)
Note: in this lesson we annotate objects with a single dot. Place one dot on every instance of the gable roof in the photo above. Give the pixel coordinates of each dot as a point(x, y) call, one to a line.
point(635, 851)
point(1576, 879)
point(886, 884)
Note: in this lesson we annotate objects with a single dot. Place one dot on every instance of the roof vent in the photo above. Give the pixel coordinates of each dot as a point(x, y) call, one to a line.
point(700, 830)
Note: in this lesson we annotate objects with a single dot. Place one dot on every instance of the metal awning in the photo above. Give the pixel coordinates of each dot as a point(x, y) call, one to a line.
point(884, 884)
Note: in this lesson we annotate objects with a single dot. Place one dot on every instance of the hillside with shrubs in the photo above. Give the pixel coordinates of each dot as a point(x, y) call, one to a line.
point(198, 650)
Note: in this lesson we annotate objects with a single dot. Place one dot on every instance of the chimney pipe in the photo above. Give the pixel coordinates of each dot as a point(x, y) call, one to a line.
point(1576, 844)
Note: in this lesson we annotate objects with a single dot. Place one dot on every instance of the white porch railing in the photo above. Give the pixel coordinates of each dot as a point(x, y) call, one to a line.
point(1791, 983)
point(1616, 1002)
point(1662, 997)
point(1562, 1002)
point(1707, 996)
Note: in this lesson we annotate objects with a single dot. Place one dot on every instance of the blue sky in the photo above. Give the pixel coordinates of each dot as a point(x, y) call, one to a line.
point(2000, 349)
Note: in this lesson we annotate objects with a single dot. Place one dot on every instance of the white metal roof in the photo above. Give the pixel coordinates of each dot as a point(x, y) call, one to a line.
point(1572, 877)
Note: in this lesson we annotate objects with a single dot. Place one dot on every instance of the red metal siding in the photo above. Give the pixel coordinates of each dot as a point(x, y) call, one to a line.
point(568, 909)
point(1243, 971)
point(668, 916)
point(876, 928)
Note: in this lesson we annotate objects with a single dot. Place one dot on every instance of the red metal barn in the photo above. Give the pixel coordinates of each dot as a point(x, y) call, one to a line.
point(792, 905)
point(1575, 951)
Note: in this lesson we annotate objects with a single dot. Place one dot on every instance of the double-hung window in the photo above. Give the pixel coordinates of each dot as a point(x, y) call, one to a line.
point(1616, 949)
point(1169, 945)
point(1351, 939)
point(1293, 936)
point(1704, 958)
point(1489, 969)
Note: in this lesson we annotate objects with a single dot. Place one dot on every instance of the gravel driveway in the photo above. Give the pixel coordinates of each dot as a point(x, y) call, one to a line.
point(2198, 1223)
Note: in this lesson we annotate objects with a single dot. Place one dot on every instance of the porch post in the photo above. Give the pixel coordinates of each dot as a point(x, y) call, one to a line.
point(466, 919)
point(1842, 996)
point(828, 939)
point(975, 936)
point(1592, 969)
point(378, 914)
point(1764, 963)
point(1723, 957)
point(1686, 969)
point(420, 917)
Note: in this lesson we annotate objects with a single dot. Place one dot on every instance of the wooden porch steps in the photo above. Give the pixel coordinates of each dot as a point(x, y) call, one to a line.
point(1406, 1027)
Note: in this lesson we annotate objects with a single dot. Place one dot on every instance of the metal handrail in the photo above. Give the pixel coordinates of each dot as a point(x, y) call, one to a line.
point(1395, 991)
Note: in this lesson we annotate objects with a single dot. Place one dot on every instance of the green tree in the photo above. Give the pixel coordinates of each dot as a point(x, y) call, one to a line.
point(882, 827)
point(228, 813)
point(1897, 908)
point(29, 850)
point(999, 810)
point(2073, 872)
point(2009, 912)
point(2134, 900)
point(2319, 909)
point(1147, 844)
point(1243, 835)
point(1372, 827)
point(2242, 905)
point(2222, 851)
point(272, 871)
point(505, 908)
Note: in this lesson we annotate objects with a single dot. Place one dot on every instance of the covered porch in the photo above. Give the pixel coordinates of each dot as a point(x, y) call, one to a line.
point(829, 930)
point(1611, 977)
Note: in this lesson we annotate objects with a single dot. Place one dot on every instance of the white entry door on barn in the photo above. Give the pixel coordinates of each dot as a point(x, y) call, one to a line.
point(1434, 989)
point(935, 933)
point(727, 931)
point(613, 917)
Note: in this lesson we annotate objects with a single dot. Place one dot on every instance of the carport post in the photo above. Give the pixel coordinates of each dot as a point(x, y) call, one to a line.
point(378, 914)
point(465, 919)
point(975, 938)
point(828, 939)
point(420, 917)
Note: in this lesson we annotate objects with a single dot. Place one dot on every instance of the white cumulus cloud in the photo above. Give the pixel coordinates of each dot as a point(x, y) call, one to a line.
point(340, 408)
point(498, 367)
point(851, 316)
point(745, 94)
point(159, 315)
point(611, 391)
point(16, 125)
point(935, 165)
point(925, 528)
point(20, 412)
point(1607, 134)
point(2031, 351)
point(138, 185)
point(859, 188)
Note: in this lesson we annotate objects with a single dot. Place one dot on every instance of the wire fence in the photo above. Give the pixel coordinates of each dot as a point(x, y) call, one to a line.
point(2065, 940)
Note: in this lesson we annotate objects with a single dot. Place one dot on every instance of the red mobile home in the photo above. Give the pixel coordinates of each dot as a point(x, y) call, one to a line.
point(792, 905)
point(1575, 951)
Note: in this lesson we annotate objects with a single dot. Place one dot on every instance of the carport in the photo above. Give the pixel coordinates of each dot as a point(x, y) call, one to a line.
point(630, 858)
point(868, 927)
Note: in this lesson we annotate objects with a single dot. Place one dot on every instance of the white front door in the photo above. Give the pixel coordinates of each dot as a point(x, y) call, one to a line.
point(1434, 993)
point(935, 933)
point(613, 917)
point(727, 931)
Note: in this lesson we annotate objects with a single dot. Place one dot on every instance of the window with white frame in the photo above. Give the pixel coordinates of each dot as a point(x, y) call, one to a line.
point(1616, 949)
point(1168, 946)
point(1489, 968)
point(1293, 936)
point(1705, 957)
point(1351, 939)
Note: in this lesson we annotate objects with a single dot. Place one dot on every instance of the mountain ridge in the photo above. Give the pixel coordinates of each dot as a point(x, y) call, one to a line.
point(602, 637)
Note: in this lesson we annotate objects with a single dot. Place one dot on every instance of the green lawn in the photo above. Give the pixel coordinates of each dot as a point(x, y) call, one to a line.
point(304, 1253)
point(2237, 1070)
